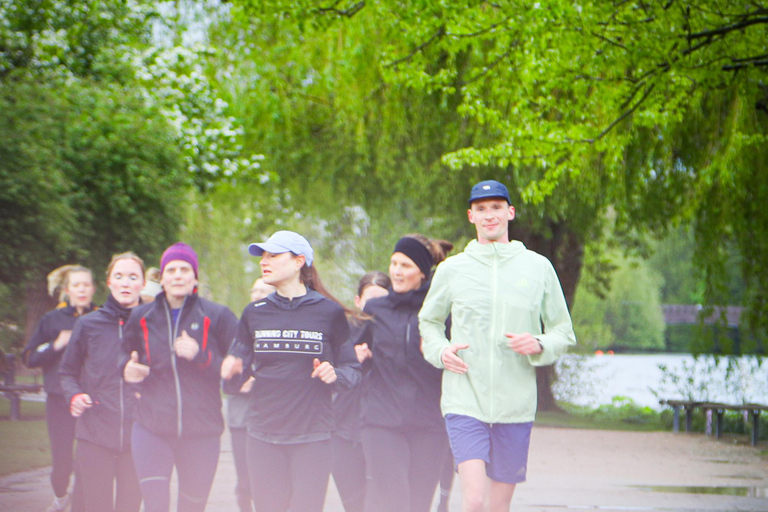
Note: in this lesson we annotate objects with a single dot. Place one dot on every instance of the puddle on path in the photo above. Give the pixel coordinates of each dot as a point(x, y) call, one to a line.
point(751, 492)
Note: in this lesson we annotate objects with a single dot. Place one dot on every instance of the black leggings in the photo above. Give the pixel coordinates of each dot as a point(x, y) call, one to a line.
point(243, 485)
point(61, 434)
point(289, 476)
point(349, 473)
point(101, 470)
point(404, 467)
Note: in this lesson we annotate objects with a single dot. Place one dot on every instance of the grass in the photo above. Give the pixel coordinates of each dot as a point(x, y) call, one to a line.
point(26, 440)
point(588, 421)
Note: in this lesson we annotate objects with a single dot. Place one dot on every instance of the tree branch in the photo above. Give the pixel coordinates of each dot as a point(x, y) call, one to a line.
point(618, 119)
point(479, 32)
point(729, 28)
point(486, 70)
point(437, 35)
point(348, 12)
point(607, 40)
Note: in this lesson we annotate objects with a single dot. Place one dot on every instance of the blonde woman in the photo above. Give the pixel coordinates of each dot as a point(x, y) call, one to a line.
point(45, 350)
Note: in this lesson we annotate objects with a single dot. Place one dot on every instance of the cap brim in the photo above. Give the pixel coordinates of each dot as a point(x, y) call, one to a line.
point(260, 248)
point(489, 196)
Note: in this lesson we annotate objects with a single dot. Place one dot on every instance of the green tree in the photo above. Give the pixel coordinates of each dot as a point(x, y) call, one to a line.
point(625, 316)
point(654, 111)
point(85, 171)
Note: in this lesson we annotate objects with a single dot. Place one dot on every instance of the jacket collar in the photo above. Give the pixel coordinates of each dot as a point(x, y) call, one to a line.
point(412, 298)
point(115, 308)
point(311, 297)
point(484, 252)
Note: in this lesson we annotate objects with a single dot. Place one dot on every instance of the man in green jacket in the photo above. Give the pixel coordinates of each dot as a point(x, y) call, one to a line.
point(508, 315)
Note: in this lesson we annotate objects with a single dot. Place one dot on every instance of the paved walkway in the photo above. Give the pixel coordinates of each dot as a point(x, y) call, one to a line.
point(568, 470)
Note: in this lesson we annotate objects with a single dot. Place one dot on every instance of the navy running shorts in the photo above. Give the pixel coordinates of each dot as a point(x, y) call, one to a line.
point(503, 446)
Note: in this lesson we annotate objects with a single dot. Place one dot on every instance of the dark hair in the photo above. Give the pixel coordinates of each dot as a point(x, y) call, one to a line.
point(373, 278)
point(439, 249)
point(311, 280)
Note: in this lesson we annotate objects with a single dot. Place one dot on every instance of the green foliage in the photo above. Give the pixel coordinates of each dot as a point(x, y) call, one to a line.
point(86, 171)
point(627, 316)
point(174, 80)
point(654, 110)
point(70, 37)
point(621, 414)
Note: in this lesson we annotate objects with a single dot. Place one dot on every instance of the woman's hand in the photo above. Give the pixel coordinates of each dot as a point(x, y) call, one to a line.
point(231, 366)
point(62, 340)
point(79, 404)
point(363, 352)
point(247, 385)
point(135, 372)
point(186, 346)
point(324, 371)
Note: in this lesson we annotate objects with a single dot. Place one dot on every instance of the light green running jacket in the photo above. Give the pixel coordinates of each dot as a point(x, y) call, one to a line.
point(490, 289)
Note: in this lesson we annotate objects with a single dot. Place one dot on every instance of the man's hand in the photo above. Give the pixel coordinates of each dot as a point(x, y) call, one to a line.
point(79, 404)
point(186, 346)
point(62, 340)
point(324, 371)
point(231, 366)
point(363, 352)
point(524, 344)
point(452, 361)
point(135, 372)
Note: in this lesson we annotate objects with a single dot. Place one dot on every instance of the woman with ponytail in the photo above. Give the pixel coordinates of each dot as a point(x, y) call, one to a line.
point(403, 432)
point(98, 398)
point(294, 343)
point(45, 350)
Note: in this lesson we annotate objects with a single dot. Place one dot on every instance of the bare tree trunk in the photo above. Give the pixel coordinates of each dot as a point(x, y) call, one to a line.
point(38, 303)
point(566, 253)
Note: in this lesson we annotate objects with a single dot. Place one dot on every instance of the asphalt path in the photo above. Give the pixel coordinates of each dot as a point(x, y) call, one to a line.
point(569, 469)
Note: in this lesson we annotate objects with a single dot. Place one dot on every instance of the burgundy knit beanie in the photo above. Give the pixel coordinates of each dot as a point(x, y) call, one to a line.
point(179, 251)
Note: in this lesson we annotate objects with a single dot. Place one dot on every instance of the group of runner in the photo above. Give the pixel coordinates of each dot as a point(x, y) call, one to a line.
point(316, 388)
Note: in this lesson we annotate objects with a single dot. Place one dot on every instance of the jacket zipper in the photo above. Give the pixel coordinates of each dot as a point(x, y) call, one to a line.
point(173, 334)
point(491, 344)
point(122, 403)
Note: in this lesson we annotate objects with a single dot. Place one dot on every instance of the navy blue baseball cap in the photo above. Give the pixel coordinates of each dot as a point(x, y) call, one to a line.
point(284, 241)
point(489, 189)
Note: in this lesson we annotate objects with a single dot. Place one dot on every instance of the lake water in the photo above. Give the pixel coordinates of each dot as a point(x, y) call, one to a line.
point(595, 380)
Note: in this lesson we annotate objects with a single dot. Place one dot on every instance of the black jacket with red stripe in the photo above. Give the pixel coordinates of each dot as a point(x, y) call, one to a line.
point(89, 366)
point(180, 397)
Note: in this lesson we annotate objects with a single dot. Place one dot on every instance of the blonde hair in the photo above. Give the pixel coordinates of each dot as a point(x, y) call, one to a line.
point(128, 255)
point(58, 279)
point(153, 274)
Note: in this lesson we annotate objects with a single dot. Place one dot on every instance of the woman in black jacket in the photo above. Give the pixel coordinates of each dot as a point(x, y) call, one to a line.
point(45, 350)
point(172, 349)
point(348, 459)
point(403, 433)
point(98, 398)
point(294, 342)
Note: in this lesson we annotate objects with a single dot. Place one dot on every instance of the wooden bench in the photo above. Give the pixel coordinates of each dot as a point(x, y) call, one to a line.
point(12, 390)
point(718, 409)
